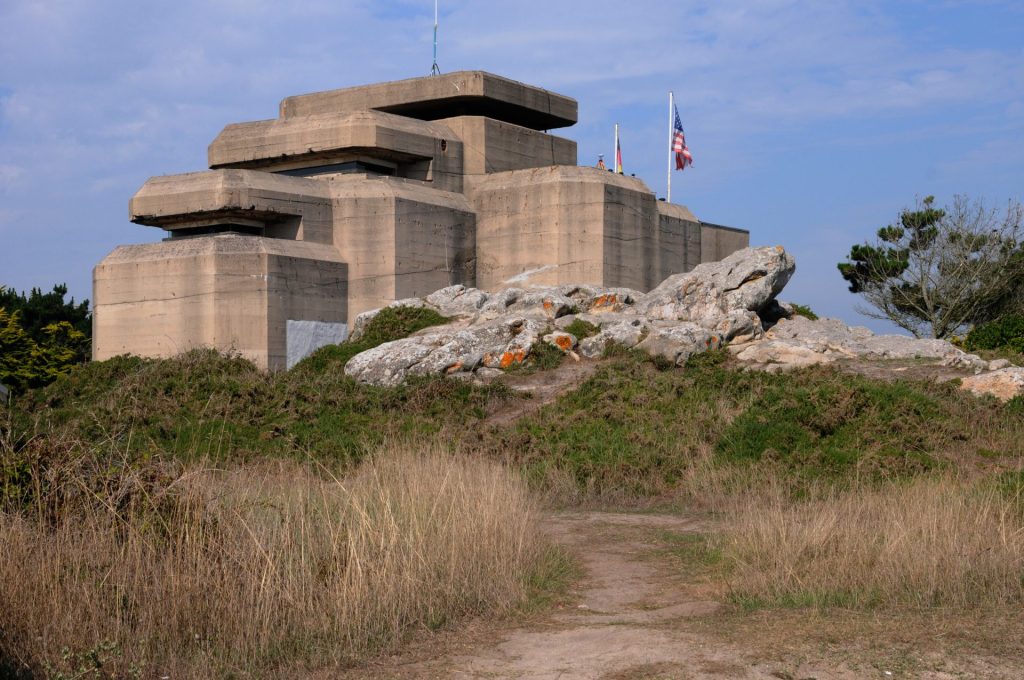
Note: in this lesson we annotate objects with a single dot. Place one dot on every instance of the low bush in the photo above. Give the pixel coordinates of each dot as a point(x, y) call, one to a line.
point(390, 323)
point(632, 431)
point(1004, 333)
point(205, 405)
point(836, 422)
point(582, 329)
point(804, 310)
point(544, 356)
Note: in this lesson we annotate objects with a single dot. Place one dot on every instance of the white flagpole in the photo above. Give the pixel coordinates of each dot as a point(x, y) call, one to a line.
point(435, 69)
point(615, 151)
point(671, 141)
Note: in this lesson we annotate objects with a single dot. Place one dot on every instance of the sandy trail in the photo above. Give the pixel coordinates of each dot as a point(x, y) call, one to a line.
point(635, 615)
point(620, 624)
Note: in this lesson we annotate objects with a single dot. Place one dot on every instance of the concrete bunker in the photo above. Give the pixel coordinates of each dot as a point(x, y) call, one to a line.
point(353, 198)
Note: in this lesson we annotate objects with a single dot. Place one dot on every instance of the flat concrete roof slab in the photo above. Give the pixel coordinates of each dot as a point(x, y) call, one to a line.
point(163, 201)
point(274, 141)
point(463, 93)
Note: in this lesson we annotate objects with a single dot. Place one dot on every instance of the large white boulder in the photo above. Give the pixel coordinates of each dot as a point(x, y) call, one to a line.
point(747, 280)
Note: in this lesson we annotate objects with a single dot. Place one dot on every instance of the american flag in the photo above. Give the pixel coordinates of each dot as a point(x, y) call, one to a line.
point(683, 156)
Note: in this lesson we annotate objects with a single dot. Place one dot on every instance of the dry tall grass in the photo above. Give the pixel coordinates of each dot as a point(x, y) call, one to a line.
point(932, 542)
point(265, 569)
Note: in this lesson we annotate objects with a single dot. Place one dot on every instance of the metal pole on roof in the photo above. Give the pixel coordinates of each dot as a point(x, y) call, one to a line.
point(671, 142)
point(435, 70)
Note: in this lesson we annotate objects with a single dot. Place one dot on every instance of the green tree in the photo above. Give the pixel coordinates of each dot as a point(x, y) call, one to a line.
point(17, 353)
point(27, 361)
point(937, 271)
point(38, 310)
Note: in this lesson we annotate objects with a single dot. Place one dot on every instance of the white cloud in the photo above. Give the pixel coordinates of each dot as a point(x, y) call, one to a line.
point(8, 174)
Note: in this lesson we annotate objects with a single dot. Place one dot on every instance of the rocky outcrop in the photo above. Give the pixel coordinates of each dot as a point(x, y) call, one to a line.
point(729, 303)
point(1003, 384)
point(499, 343)
point(688, 313)
point(797, 341)
point(747, 280)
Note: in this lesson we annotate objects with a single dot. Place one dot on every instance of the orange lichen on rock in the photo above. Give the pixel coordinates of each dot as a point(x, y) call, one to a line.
point(604, 301)
point(564, 342)
point(454, 367)
point(514, 357)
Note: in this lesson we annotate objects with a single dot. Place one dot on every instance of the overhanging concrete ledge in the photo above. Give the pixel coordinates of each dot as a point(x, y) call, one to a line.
point(463, 93)
point(268, 142)
point(166, 199)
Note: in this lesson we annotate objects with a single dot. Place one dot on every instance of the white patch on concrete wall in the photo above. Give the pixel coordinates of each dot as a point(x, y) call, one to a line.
point(519, 278)
point(305, 337)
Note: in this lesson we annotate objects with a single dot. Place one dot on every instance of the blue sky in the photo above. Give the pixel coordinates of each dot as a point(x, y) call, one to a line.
point(811, 123)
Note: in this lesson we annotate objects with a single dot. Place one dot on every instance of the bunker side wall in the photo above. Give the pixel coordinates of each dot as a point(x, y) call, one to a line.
point(400, 239)
point(717, 242)
point(491, 145)
point(163, 299)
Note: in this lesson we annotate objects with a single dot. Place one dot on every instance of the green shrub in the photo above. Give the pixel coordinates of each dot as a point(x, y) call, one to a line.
point(836, 422)
point(582, 329)
point(708, 359)
point(26, 363)
point(803, 310)
point(631, 430)
point(394, 323)
point(1004, 333)
point(391, 323)
point(543, 357)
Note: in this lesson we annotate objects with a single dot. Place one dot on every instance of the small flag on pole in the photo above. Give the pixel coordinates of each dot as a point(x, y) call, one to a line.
point(618, 151)
point(683, 156)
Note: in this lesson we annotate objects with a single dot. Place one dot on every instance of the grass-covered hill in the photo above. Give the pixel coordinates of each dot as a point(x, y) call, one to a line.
point(633, 428)
point(271, 508)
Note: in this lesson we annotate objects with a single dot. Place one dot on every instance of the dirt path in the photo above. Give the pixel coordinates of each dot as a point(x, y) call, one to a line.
point(543, 387)
point(618, 627)
point(638, 614)
point(620, 624)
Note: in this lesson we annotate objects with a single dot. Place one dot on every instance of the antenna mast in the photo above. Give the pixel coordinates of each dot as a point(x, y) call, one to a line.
point(435, 70)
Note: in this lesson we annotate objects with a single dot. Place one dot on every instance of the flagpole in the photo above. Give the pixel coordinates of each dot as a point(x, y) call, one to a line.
point(435, 69)
point(615, 151)
point(668, 195)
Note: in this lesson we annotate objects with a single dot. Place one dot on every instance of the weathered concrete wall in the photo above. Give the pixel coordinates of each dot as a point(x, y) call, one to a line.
point(541, 226)
point(632, 237)
point(400, 239)
point(491, 145)
point(305, 337)
point(576, 225)
point(718, 242)
point(226, 291)
point(681, 239)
